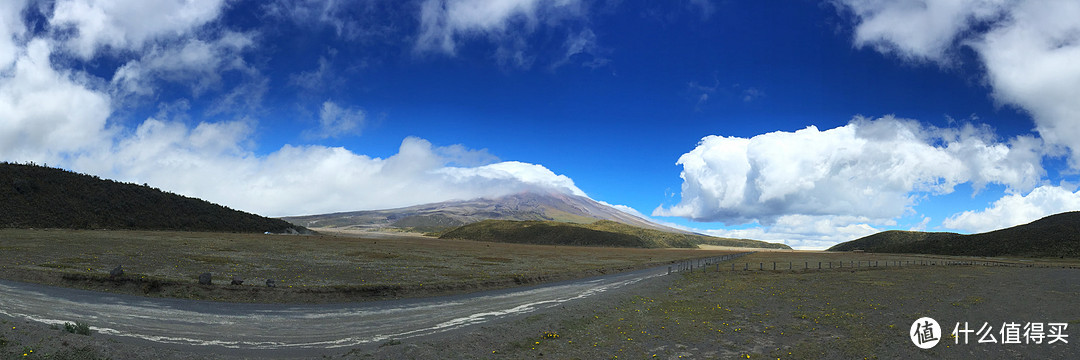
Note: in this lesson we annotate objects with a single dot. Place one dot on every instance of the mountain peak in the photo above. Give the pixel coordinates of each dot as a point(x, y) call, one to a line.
point(436, 217)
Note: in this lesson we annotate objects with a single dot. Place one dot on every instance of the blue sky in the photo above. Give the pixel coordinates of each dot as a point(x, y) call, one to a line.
point(804, 122)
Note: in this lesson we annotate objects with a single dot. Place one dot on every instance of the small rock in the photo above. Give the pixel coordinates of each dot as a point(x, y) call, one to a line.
point(117, 272)
point(204, 279)
point(270, 283)
point(236, 280)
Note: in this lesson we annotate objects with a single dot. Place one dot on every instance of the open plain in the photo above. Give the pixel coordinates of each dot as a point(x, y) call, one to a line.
point(814, 305)
point(305, 269)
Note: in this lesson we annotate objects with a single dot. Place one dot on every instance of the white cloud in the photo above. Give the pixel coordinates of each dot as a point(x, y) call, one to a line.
point(1016, 209)
point(752, 94)
point(335, 121)
point(583, 45)
point(1030, 50)
point(631, 211)
point(60, 116)
point(805, 232)
point(921, 226)
point(446, 23)
point(320, 78)
point(212, 162)
point(128, 24)
point(45, 112)
point(918, 30)
point(193, 61)
point(508, 177)
point(12, 30)
point(1033, 60)
point(310, 12)
point(869, 170)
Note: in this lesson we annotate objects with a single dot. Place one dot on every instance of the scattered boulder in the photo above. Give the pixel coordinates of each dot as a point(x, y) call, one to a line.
point(270, 283)
point(236, 280)
point(117, 272)
point(205, 279)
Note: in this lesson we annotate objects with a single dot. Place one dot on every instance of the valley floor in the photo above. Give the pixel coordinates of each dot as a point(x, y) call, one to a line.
point(839, 313)
point(830, 314)
point(304, 268)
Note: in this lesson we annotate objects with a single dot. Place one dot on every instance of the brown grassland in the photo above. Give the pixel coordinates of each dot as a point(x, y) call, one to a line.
point(794, 312)
point(306, 269)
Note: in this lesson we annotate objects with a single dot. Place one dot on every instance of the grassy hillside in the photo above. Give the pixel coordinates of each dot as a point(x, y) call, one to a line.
point(600, 233)
point(40, 197)
point(1052, 236)
point(891, 238)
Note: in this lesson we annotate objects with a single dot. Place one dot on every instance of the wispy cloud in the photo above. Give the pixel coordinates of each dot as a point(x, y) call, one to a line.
point(123, 25)
point(335, 121)
point(445, 24)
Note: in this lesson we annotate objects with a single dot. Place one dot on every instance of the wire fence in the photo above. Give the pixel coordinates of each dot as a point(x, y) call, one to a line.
point(714, 264)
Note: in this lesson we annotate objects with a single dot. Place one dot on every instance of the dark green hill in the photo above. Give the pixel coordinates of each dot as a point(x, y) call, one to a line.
point(600, 233)
point(891, 238)
point(1052, 236)
point(41, 197)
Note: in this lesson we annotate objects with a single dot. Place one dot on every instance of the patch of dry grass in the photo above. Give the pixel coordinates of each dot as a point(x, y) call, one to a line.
point(314, 265)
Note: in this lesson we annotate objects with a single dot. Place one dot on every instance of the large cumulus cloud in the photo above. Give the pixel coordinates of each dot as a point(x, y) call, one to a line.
point(1030, 51)
point(869, 171)
point(51, 111)
point(209, 161)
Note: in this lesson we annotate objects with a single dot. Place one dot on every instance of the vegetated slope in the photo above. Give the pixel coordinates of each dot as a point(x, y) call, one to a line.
point(43, 197)
point(439, 217)
point(891, 238)
point(600, 233)
point(1052, 236)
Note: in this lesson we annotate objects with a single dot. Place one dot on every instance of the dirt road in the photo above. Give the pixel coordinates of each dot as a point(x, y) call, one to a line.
point(263, 330)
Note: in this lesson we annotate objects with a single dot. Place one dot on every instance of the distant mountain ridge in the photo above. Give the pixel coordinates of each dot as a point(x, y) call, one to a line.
point(437, 217)
point(1052, 236)
point(34, 196)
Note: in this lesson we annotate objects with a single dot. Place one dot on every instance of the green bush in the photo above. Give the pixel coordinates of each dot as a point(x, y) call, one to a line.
point(80, 328)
